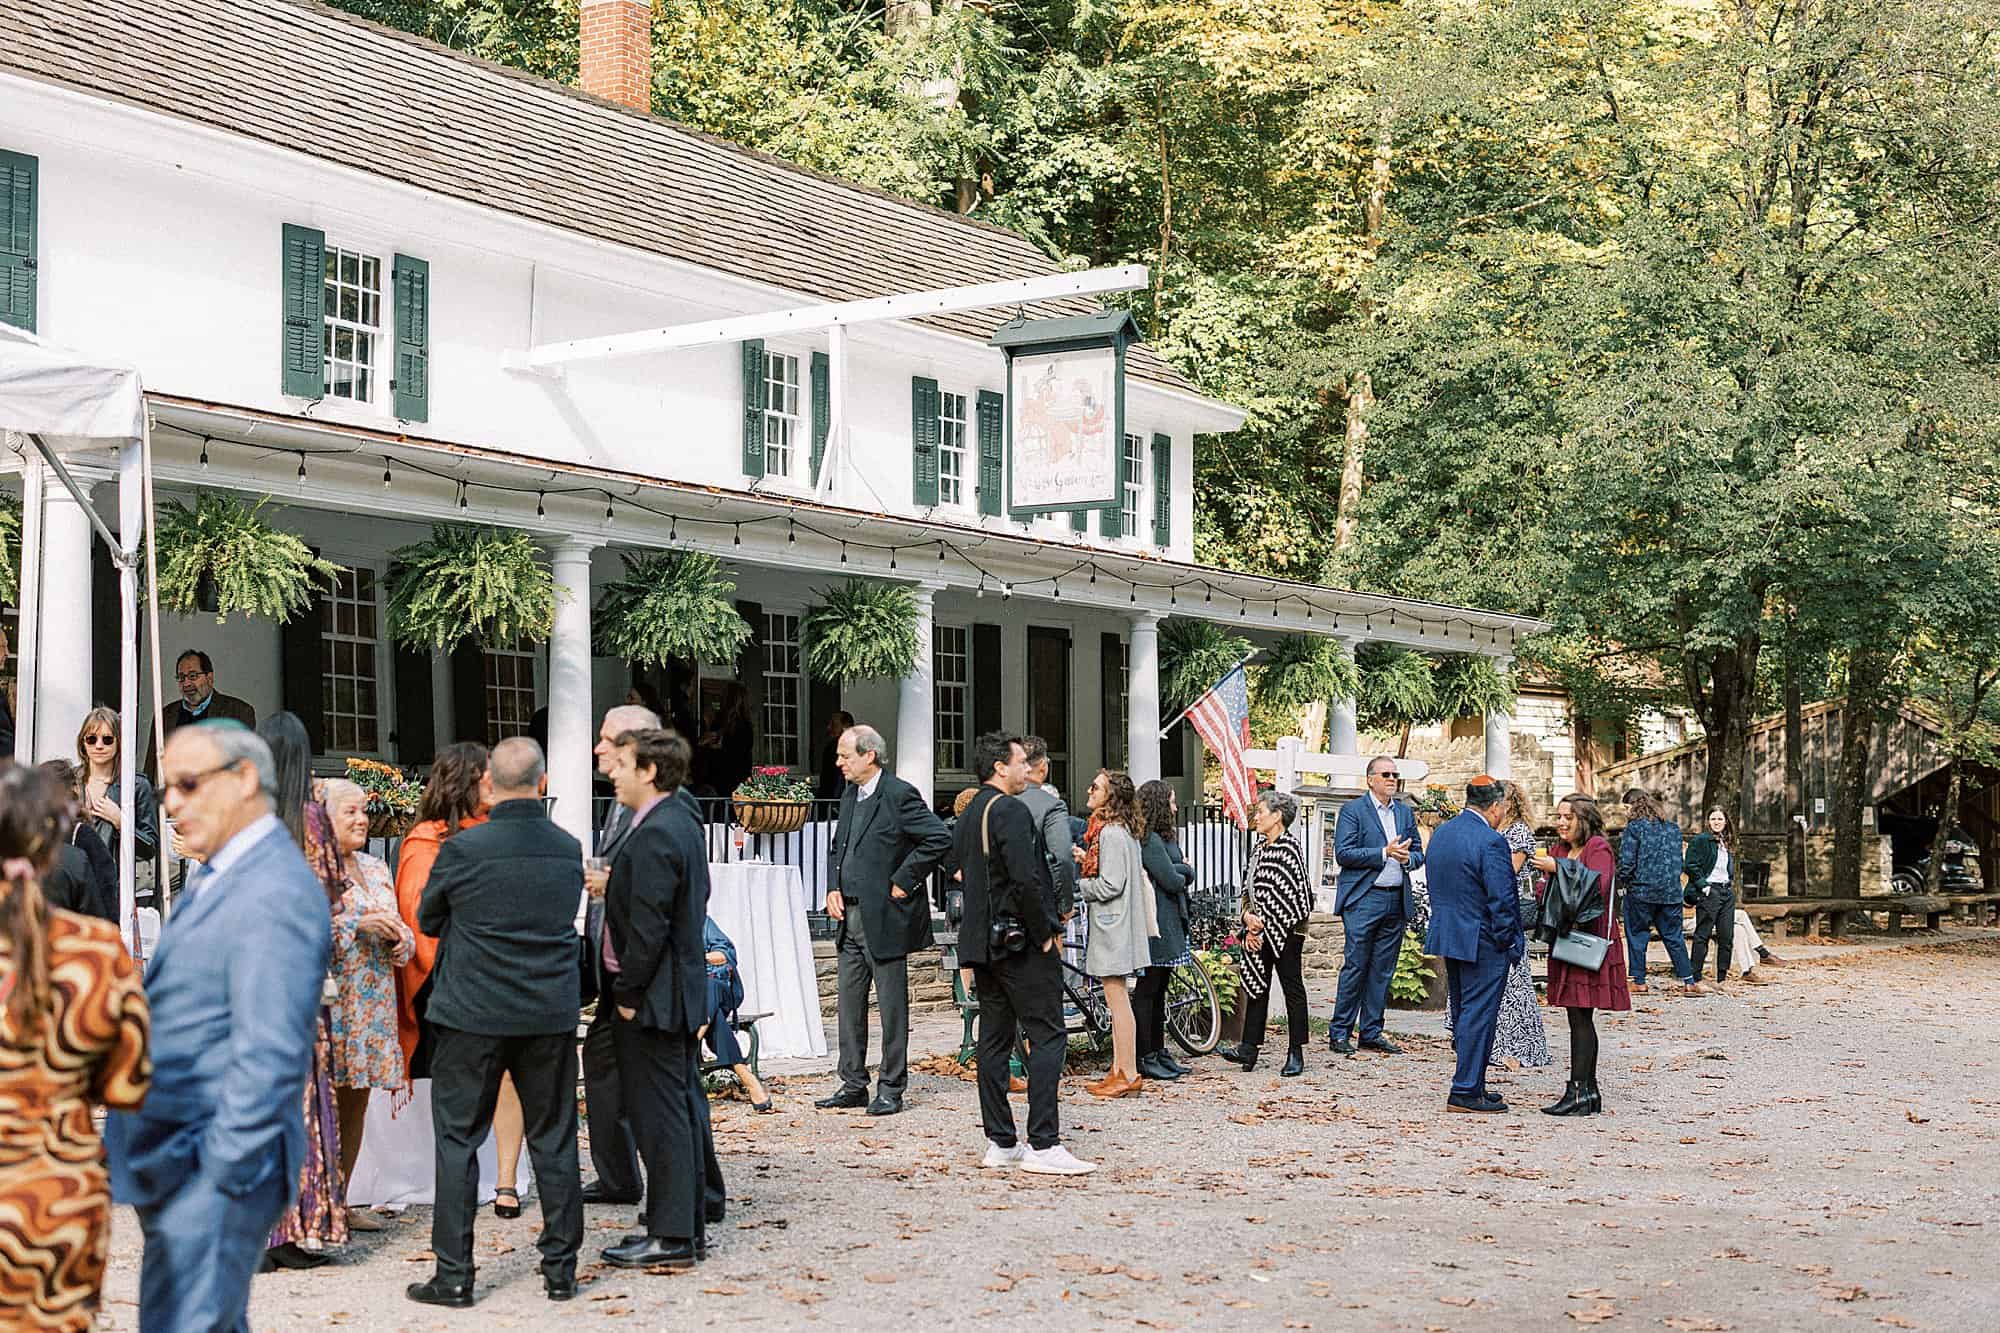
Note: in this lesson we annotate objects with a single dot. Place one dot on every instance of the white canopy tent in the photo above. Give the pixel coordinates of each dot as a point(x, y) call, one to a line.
point(54, 403)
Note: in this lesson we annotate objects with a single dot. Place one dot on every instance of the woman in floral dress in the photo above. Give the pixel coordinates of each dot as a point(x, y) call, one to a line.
point(370, 941)
point(1519, 1035)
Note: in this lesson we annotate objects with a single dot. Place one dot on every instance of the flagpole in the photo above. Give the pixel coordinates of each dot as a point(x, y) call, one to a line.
point(1203, 695)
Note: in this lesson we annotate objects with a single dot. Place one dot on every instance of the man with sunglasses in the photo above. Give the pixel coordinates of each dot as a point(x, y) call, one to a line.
point(212, 1158)
point(200, 701)
point(1375, 841)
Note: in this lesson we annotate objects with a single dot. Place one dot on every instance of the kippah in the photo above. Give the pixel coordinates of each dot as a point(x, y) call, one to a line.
point(1483, 788)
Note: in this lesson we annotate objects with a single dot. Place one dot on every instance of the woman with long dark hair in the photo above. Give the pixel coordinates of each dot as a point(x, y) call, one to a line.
point(99, 742)
point(1171, 877)
point(1710, 867)
point(1119, 908)
point(1649, 866)
point(73, 1032)
point(317, 1218)
point(1580, 834)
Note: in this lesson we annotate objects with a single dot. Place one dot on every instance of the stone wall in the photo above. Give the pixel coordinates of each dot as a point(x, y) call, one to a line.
point(1875, 864)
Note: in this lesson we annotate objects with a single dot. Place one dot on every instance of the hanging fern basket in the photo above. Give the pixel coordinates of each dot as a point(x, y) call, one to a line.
point(220, 554)
point(484, 584)
point(863, 631)
point(668, 606)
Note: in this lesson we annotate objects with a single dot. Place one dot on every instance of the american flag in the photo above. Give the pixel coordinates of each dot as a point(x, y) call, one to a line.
point(1222, 718)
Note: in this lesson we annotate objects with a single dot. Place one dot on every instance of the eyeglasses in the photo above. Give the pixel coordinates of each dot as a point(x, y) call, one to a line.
point(1393, 777)
point(190, 784)
point(100, 740)
point(189, 677)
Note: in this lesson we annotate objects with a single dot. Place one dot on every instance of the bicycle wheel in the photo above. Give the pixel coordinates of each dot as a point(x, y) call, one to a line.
point(1194, 1018)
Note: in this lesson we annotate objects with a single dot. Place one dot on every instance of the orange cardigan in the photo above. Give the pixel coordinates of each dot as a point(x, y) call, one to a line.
point(413, 871)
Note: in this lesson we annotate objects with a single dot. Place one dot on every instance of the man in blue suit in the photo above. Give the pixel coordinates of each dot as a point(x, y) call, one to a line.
point(211, 1160)
point(1476, 929)
point(1375, 841)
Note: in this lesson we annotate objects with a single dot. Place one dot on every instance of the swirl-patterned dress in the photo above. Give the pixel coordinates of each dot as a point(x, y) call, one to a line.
point(55, 1198)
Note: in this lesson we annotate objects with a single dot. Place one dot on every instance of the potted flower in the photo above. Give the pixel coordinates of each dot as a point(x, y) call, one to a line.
point(1221, 963)
point(393, 796)
point(1433, 807)
point(771, 800)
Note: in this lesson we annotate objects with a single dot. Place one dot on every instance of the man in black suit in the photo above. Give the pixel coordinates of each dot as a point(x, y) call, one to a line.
point(654, 909)
point(884, 850)
point(611, 1149)
point(1017, 977)
point(502, 903)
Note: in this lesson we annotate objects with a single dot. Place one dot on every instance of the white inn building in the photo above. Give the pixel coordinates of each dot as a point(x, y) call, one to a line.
point(329, 248)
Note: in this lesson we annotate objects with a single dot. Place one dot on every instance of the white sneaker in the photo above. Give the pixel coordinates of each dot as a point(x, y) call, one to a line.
point(1055, 1161)
point(997, 1156)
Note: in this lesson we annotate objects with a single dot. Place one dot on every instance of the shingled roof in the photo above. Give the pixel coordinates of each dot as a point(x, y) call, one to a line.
point(332, 86)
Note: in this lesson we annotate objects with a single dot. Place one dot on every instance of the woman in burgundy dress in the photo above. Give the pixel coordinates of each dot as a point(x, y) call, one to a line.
point(1580, 830)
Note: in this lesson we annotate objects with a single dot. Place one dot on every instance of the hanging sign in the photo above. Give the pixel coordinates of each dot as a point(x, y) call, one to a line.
point(1065, 411)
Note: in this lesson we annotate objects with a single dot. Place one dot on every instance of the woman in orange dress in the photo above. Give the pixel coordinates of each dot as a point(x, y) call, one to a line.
point(73, 1034)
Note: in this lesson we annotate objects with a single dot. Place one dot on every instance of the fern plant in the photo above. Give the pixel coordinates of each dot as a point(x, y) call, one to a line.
point(486, 584)
point(1411, 982)
point(1194, 654)
point(670, 605)
point(1472, 686)
point(10, 548)
point(1398, 688)
point(255, 568)
point(1303, 669)
point(864, 630)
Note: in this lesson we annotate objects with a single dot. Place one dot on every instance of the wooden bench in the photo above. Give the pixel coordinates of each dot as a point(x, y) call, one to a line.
point(1834, 912)
point(1974, 909)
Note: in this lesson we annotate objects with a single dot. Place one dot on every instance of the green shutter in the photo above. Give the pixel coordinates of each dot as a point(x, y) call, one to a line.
point(19, 175)
point(1111, 522)
point(822, 396)
point(412, 383)
point(1163, 489)
point(992, 435)
point(924, 435)
point(304, 349)
point(1079, 520)
point(754, 390)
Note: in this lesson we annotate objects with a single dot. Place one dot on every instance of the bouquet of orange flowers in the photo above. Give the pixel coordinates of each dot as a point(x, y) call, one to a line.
point(391, 792)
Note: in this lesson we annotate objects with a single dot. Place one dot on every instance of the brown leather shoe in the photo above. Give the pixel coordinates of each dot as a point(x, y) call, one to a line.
point(1017, 1085)
point(1131, 1087)
point(1110, 1085)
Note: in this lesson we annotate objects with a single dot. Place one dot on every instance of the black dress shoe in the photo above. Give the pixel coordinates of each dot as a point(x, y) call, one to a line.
point(1341, 1046)
point(652, 1252)
point(714, 1213)
point(596, 1193)
point(1295, 1064)
point(437, 1291)
point(289, 1255)
point(885, 1106)
point(1382, 1044)
point(559, 1289)
point(1487, 1105)
point(845, 1099)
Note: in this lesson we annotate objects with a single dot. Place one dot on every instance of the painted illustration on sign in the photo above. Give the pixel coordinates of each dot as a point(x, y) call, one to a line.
point(1065, 429)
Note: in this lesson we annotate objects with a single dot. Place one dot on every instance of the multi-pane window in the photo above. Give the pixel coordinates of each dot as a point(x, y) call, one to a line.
point(1134, 478)
point(510, 692)
point(353, 324)
point(951, 696)
point(347, 626)
point(1115, 701)
point(951, 448)
point(782, 428)
point(784, 689)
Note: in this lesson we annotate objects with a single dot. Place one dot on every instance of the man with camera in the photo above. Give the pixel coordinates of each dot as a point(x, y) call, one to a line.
point(1008, 938)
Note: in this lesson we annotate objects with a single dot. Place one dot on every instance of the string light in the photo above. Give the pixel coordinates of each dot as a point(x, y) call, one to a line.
point(1274, 610)
point(1135, 594)
point(1242, 608)
point(386, 478)
point(1173, 599)
point(940, 553)
point(461, 495)
point(204, 453)
point(739, 534)
point(791, 531)
point(892, 557)
point(843, 553)
point(1093, 576)
point(1006, 591)
point(674, 529)
point(980, 591)
point(539, 511)
point(610, 516)
point(1056, 587)
point(1207, 594)
point(302, 465)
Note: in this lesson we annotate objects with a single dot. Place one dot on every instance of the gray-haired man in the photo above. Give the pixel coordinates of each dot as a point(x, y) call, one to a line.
point(885, 847)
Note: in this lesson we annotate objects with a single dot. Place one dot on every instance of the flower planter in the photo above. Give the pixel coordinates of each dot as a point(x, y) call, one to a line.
point(390, 824)
point(1232, 1023)
point(771, 817)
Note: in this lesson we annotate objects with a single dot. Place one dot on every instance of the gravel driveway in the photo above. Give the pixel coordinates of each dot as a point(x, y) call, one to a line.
point(1815, 1153)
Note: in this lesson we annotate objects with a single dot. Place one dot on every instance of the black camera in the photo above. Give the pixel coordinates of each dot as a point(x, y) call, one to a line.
point(1006, 935)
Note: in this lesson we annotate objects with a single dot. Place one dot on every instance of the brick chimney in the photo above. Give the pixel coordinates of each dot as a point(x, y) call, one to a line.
point(618, 51)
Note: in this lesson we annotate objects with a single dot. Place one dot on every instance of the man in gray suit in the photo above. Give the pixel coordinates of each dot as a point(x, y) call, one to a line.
point(885, 847)
point(211, 1160)
point(1051, 814)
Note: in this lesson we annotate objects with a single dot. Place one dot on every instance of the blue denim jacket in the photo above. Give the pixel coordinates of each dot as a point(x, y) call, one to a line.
point(1649, 861)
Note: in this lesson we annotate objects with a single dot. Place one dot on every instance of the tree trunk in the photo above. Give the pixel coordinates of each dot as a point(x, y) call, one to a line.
point(1726, 707)
point(1867, 673)
point(1948, 820)
point(1360, 397)
point(1795, 774)
point(1586, 754)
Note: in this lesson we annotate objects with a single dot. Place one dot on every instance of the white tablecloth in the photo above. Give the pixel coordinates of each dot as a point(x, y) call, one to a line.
point(762, 908)
point(398, 1162)
point(805, 850)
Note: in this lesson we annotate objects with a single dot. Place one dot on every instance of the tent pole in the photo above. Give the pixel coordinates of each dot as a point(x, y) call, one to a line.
point(130, 498)
point(147, 515)
point(82, 496)
point(27, 654)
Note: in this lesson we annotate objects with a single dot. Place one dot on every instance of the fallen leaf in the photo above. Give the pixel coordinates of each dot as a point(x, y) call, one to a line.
point(1916, 1119)
point(722, 1289)
point(882, 1279)
point(1895, 1321)
point(1596, 1314)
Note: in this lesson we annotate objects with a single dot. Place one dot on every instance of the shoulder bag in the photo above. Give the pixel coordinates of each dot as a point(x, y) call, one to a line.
point(1586, 949)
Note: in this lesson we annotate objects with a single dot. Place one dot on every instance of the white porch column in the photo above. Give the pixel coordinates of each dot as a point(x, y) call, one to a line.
point(572, 729)
point(1342, 735)
point(914, 746)
point(1500, 734)
point(62, 649)
point(1142, 699)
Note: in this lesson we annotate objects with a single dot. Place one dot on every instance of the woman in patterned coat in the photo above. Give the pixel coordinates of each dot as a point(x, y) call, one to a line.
point(1275, 908)
point(73, 1033)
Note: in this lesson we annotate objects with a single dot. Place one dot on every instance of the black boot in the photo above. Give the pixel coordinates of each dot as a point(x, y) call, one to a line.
point(1295, 1063)
point(1572, 1099)
point(1593, 1100)
point(1239, 1055)
point(1173, 1062)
